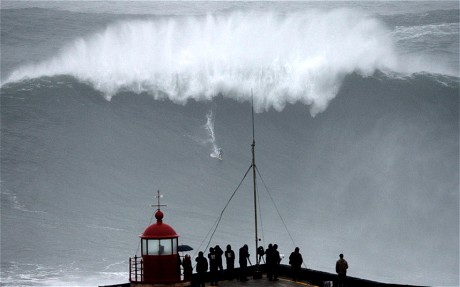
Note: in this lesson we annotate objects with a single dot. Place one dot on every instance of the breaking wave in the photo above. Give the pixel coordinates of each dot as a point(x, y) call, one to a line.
point(284, 58)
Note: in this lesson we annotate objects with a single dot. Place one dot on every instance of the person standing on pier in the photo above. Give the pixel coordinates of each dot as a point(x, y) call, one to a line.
point(187, 268)
point(230, 260)
point(341, 268)
point(219, 252)
point(269, 261)
point(276, 262)
point(213, 266)
point(201, 268)
point(296, 260)
point(243, 258)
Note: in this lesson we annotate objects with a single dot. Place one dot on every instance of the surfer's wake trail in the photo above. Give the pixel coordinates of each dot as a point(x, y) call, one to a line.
point(209, 126)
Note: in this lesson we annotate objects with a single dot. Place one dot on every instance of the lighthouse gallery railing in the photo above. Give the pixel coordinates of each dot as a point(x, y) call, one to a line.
point(136, 269)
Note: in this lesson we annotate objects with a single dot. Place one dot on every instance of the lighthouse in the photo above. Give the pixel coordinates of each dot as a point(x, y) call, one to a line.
point(159, 264)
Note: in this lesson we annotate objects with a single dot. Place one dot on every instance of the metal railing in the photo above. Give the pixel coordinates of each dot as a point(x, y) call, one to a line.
point(136, 269)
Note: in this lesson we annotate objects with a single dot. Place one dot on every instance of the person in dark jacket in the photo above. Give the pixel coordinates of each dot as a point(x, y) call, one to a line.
point(243, 258)
point(187, 268)
point(276, 262)
point(201, 268)
point(295, 260)
point(269, 259)
point(341, 267)
point(219, 252)
point(230, 260)
point(213, 266)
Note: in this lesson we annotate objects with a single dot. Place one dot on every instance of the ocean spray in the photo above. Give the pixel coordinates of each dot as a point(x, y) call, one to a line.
point(284, 58)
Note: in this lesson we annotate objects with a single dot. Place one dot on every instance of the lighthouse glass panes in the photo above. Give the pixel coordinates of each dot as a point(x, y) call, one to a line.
point(144, 247)
point(159, 246)
point(153, 247)
point(174, 245)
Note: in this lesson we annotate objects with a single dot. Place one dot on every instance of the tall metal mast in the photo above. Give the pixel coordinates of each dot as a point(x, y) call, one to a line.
point(257, 273)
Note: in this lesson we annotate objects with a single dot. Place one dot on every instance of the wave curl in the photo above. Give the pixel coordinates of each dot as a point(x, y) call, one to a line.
point(289, 58)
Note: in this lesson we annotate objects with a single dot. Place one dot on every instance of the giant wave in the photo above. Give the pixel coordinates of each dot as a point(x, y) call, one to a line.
point(375, 175)
point(283, 58)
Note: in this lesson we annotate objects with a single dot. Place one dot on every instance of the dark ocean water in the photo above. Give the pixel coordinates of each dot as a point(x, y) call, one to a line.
point(357, 134)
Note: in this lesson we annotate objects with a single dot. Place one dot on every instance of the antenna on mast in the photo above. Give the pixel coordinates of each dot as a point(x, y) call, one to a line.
point(252, 106)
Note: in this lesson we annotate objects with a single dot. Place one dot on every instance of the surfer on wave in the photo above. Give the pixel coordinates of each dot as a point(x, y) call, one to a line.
point(220, 153)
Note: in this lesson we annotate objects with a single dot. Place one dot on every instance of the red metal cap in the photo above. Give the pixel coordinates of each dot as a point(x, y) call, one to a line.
point(159, 230)
point(159, 216)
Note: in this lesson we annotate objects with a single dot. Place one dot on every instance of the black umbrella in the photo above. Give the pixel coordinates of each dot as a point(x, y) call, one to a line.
point(183, 248)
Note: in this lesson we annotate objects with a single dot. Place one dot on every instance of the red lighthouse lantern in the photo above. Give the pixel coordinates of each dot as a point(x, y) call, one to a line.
point(159, 264)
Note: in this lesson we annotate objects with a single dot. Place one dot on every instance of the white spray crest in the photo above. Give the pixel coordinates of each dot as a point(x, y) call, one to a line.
point(299, 57)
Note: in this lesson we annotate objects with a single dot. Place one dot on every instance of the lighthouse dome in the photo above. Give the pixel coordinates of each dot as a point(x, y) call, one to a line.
point(159, 229)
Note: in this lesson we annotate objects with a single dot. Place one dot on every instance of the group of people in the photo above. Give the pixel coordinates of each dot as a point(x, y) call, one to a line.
point(215, 264)
point(272, 261)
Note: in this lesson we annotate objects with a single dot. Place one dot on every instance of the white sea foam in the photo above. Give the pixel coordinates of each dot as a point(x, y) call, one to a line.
point(16, 204)
point(418, 32)
point(19, 275)
point(296, 57)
